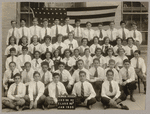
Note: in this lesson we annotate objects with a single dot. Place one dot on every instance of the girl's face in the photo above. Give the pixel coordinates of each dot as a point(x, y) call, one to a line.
point(107, 41)
point(88, 26)
point(98, 52)
point(110, 52)
point(76, 52)
point(67, 54)
point(70, 36)
point(37, 55)
point(84, 42)
point(87, 52)
point(95, 41)
point(130, 41)
point(24, 40)
point(48, 56)
point(60, 39)
point(35, 39)
point(56, 53)
point(119, 41)
point(121, 52)
point(12, 40)
point(47, 40)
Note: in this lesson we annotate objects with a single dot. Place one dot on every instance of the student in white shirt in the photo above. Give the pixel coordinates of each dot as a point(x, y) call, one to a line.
point(45, 30)
point(119, 45)
point(80, 65)
point(11, 44)
point(56, 59)
point(89, 33)
point(100, 33)
point(65, 77)
point(94, 45)
point(128, 75)
point(76, 54)
point(111, 95)
point(55, 89)
point(106, 46)
point(13, 32)
point(140, 68)
point(16, 93)
point(60, 45)
point(130, 48)
point(137, 36)
point(27, 75)
point(112, 33)
point(24, 57)
point(36, 97)
point(8, 77)
point(55, 30)
point(78, 31)
point(36, 62)
point(97, 76)
point(67, 27)
point(123, 32)
point(98, 54)
point(68, 60)
point(84, 91)
point(83, 46)
point(71, 42)
point(12, 58)
point(35, 29)
point(88, 60)
point(23, 31)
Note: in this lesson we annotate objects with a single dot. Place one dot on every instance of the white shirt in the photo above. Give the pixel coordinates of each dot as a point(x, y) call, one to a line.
point(66, 76)
point(20, 93)
point(52, 90)
point(32, 89)
point(113, 32)
point(7, 76)
point(138, 35)
point(141, 64)
point(97, 33)
point(53, 30)
point(119, 60)
point(22, 59)
point(63, 45)
point(73, 42)
point(43, 30)
point(64, 29)
point(88, 89)
point(10, 34)
point(27, 77)
point(126, 31)
point(75, 75)
point(82, 49)
point(115, 48)
point(93, 47)
point(107, 58)
point(36, 66)
point(89, 34)
point(71, 61)
point(37, 47)
point(20, 48)
point(77, 58)
point(7, 50)
point(51, 63)
point(80, 33)
point(101, 59)
point(87, 61)
point(128, 49)
point(100, 71)
point(105, 89)
point(37, 28)
point(44, 47)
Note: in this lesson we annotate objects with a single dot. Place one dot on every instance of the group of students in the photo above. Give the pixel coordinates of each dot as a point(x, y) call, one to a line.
point(43, 63)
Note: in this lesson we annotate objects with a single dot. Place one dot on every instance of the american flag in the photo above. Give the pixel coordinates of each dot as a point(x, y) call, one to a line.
point(95, 15)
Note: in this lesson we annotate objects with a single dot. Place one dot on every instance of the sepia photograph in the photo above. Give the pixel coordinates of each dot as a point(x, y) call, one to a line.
point(74, 56)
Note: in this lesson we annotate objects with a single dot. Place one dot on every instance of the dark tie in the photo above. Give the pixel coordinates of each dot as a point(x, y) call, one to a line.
point(96, 73)
point(35, 30)
point(137, 63)
point(77, 31)
point(45, 31)
point(34, 50)
point(111, 36)
point(60, 76)
point(57, 92)
point(13, 32)
point(131, 52)
point(12, 74)
point(36, 63)
point(43, 78)
point(70, 46)
point(110, 87)
point(47, 49)
point(24, 59)
point(12, 58)
point(123, 34)
point(22, 31)
point(106, 48)
point(82, 90)
point(101, 34)
point(36, 89)
point(67, 28)
point(127, 73)
point(134, 34)
point(16, 90)
point(56, 30)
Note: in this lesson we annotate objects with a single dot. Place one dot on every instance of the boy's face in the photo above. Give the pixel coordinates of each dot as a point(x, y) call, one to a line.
point(35, 39)
point(61, 67)
point(80, 64)
point(110, 52)
point(107, 41)
point(67, 53)
point(22, 23)
point(88, 26)
point(59, 39)
point(48, 55)
point(77, 23)
point(24, 51)
point(98, 52)
point(12, 40)
point(95, 40)
point(35, 22)
point(76, 52)
point(70, 36)
point(13, 24)
point(56, 21)
point(84, 42)
point(17, 79)
point(36, 55)
point(136, 55)
point(36, 77)
point(87, 52)
point(123, 25)
point(110, 76)
point(127, 65)
point(82, 77)
point(45, 23)
point(12, 53)
point(56, 79)
point(44, 68)
point(96, 63)
point(100, 27)
point(121, 52)
point(28, 66)
point(12, 66)
point(118, 41)
point(130, 41)
point(134, 27)
point(112, 25)
point(67, 20)
point(111, 64)
point(24, 40)
point(47, 40)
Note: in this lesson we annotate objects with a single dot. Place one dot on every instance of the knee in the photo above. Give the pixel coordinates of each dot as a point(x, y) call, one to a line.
point(43, 97)
point(26, 98)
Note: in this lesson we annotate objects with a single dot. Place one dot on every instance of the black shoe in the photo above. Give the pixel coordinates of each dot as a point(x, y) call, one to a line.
point(105, 107)
point(124, 107)
point(89, 107)
point(98, 99)
point(132, 99)
point(43, 107)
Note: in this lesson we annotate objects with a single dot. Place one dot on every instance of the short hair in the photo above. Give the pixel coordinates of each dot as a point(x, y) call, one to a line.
point(76, 50)
point(66, 17)
point(56, 18)
point(111, 60)
point(96, 59)
point(130, 38)
point(27, 63)
point(12, 49)
point(17, 74)
point(35, 18)
point(67, 50)
point(118, 50)
point(24, 47)
point(37, 52)
point(84, 39)
point(47, 37)
point(80, 60)
point(118, 38)
point(111, 22)
point(98, 49)
point(111, 50)
point(49, 53)
point(58, 35)
point(55, 52)
point(106, 37)
point(13, 21)
point(137, 51)
point(61, 63)
point(36, 72)
point(95, 37)
point(86, 50)
point(45, 63)
point(110, 71)
point(12, 63)
point(77, 20)
point(122, 22)
point(88, 23)
point(134, 23)
point(55, 74)
point(22, 20)
point(82, 72)
point(45, 19)
point(101, 23)
point(11, 38)
point(126, 60)
point(24, 37)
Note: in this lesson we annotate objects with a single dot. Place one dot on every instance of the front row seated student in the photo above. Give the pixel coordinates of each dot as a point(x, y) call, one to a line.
point(8, 77)
point(55, 89)
point(65, 77)
point(36, 97)
point(97, 76)
point(84, 92)
point(128, 75)
point(111, 95)
point(15, 96)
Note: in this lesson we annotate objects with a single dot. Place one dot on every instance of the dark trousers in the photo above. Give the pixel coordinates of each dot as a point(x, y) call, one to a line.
point(79, 100)
point(69, 90)
point(97, 87)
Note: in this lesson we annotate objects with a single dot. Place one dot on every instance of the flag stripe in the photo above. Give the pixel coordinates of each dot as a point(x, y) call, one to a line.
point(91, 8)
point(81, 13)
